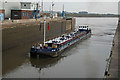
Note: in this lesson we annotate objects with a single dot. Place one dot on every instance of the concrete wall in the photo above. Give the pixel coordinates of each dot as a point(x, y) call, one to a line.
point(25, 5)
point(24, 33)
point(1, 5)
point(10, 5)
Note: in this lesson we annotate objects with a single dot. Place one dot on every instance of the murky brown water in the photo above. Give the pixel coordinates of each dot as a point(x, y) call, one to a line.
point(84, 60)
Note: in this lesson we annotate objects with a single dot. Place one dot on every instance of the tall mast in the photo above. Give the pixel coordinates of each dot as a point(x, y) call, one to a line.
point(42, 7)
point(44, 29)
point(52, 8)
point(63, 7)
point(63, 12)
point(39, 9)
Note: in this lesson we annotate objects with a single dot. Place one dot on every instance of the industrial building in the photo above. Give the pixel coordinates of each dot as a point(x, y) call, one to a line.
point(24, 10)
point(28, 10)
point(83, 12)
point(8, 6)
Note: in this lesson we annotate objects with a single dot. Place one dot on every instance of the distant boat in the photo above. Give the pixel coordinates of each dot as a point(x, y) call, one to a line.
point(56, 46)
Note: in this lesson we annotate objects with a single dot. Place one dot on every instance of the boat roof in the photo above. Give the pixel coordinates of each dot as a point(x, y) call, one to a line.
point(58, 41)
point(83, 25)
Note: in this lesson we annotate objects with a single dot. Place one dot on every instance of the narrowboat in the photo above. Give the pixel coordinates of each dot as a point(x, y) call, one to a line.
point(56, 46)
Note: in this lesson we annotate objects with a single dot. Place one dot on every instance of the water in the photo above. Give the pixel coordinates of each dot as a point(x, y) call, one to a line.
point(84, 60)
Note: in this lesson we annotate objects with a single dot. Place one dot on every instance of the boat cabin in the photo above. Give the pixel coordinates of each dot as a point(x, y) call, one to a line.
point(83, 27)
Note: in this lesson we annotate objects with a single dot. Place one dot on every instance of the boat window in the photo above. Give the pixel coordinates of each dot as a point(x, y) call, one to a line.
point(50, 44)
point(46, 45)
point(15, 13)
point(58, 45)
point(54, 46)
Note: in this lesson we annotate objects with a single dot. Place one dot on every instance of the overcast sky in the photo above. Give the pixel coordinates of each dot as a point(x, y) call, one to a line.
point(92, 6)
point(68, 0)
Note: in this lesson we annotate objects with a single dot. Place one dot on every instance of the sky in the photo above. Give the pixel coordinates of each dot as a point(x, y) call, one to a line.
point(92, 6)
point(68, 0)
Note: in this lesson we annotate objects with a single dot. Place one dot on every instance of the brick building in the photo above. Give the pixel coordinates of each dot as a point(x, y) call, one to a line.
point(23, 14)
point(8, 5)
point(2, 14)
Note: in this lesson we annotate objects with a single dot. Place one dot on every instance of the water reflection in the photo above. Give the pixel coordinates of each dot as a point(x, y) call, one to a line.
point(44, 62)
